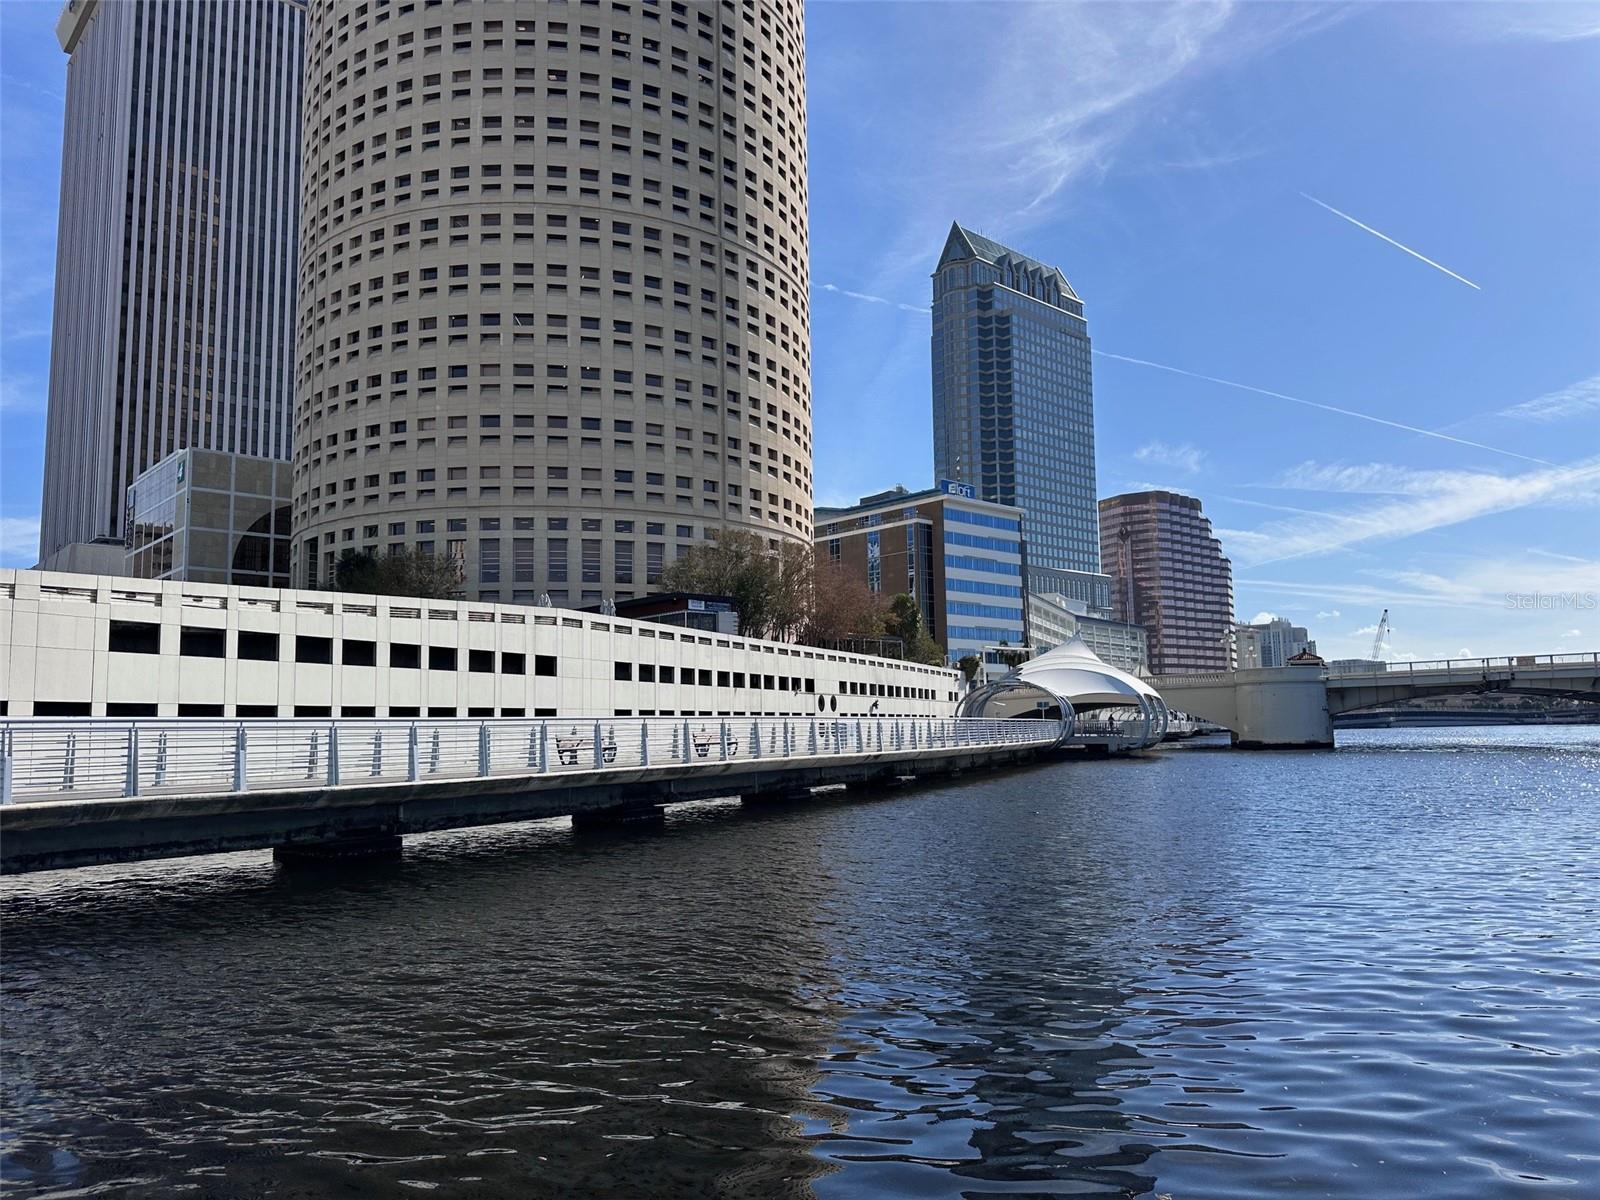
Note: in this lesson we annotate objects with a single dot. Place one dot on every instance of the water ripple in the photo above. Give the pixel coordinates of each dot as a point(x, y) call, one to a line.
point(1203, 974)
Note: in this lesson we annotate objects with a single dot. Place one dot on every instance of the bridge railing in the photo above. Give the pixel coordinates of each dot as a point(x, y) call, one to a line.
point(87, 758)
point(1513, 662)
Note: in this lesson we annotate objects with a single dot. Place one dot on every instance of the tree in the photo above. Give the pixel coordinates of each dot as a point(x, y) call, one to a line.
point(904, 621)
point(970, 665)
point(740, 566)
point(842, 607)
point(409, 573)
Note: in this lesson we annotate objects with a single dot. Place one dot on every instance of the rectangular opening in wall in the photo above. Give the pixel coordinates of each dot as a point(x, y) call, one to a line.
point(481, 661)
point(199, 710)
point(705, 678)
point(258, 647)
point(513, 664)
point(203, 643)
point(440, 711)
point(406, 656)
point(358, 652)
point(62, 708)
point(544, 712)
point(252, 711)
point(480, 712)
point(130, 710)
point(404, 710)
point(442, 658)
point(544, 664)
point(135, 637)
point(312, 710)
point(666, 674)
point(358, 710)
point(513, 712)
point(622, 671)
point(313, 649)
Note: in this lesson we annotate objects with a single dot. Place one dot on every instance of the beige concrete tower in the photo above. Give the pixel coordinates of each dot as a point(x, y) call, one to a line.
point(554, 313)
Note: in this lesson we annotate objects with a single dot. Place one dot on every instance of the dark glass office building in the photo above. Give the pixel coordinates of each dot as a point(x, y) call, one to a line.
point(1013, 403)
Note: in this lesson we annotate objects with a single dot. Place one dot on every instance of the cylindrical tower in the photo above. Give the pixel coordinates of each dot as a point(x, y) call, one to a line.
point(554, 313)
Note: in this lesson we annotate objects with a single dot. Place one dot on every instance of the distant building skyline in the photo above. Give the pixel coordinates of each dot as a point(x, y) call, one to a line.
point(1013, 397)
point(174, 280)
point(1169, 574)
point(1270, 644)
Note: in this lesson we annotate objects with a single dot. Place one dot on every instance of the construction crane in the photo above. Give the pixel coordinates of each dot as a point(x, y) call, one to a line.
point(1380, 643)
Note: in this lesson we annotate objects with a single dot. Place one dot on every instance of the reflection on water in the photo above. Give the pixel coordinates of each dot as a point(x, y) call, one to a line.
point(1205, 973)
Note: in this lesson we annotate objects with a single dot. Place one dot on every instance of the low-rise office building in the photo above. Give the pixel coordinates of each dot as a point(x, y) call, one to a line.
point(82, 645)
point(206, 516)
point(960, 557)
point(1054, 620)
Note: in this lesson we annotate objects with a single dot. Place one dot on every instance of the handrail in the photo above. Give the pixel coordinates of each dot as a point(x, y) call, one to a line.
point(1508, 662)
point(98, 758)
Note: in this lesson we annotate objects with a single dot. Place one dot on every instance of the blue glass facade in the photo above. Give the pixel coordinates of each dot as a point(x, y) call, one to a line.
point(1013, 400)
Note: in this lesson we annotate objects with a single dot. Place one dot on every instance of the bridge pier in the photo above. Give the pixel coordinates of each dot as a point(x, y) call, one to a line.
point(776, 795)
point(622, 816)
point(378, 847)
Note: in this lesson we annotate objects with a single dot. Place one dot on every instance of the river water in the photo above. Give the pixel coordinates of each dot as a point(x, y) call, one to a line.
point(1367, 973)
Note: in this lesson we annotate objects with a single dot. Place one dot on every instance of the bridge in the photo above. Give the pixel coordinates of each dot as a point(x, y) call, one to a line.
point(1288, 707)
point(78, 792)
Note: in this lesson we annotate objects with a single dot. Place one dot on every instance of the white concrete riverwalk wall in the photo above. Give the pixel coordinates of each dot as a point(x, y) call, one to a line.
point(84, 645)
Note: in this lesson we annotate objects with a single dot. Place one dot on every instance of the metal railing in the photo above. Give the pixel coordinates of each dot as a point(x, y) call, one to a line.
point(90, 758)
point(1512, 662)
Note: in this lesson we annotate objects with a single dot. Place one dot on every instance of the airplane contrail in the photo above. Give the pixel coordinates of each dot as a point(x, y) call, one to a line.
point(1344, 412)
point(1392, 242)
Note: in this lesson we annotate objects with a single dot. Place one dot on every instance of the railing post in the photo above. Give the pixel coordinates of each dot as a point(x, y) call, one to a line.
point(161, 758)
point(813, 748)
point(241, 770)
point(755, 738)
point(861, 737)
point(7, 770)
point(724, 741)
point(544, 746)
point(130, 785)
point(688, 749)
point(483, 749)
point(69, 764)
point(644, 743)
point(599, 753)
point(411, 753)
point(333, 754)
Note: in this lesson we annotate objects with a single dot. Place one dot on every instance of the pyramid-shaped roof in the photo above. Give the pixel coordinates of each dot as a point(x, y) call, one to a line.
point(963, 245)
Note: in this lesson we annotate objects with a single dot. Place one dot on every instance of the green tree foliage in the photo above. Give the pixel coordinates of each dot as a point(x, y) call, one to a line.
point(780, 593)
point(904, 621)
point(427, 576)
point(740, 566)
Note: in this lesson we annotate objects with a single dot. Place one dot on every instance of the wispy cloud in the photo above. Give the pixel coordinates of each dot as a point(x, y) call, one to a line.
point(871, 299)
point(1392, 242)
point(1344, 412)
point(1050, 92)
point(1432, 500)
point(1575, 400)
point(1530, 20)
point(19, 541)
point(1182, 457)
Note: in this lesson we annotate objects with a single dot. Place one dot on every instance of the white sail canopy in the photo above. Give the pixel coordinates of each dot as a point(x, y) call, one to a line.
point(1069, 680)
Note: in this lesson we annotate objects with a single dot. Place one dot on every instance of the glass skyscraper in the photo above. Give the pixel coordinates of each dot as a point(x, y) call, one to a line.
point(1013, 403)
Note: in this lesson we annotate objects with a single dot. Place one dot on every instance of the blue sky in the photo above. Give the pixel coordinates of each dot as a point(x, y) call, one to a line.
point(1181, 165)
